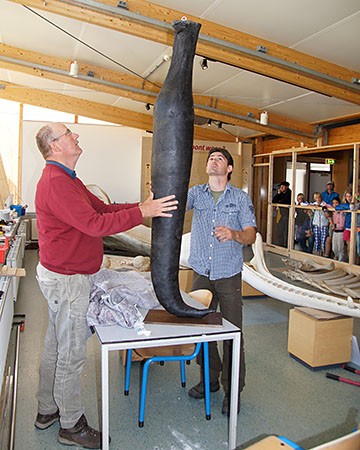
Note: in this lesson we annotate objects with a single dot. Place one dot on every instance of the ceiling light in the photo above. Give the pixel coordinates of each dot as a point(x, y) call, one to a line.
point(147, 106)
point(264, 118)
point(74, 69)
point(204, 64)
point(209, 122)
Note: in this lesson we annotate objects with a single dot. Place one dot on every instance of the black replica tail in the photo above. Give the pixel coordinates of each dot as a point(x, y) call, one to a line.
point(170, 168)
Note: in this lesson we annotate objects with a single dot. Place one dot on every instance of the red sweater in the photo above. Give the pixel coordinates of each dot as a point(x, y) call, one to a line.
point(71, 222)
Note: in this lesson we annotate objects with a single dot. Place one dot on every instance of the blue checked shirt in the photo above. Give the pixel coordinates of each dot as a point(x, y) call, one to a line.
point(234, 209)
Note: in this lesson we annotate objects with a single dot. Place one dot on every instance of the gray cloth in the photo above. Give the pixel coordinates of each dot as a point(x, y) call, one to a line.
point(115, 296)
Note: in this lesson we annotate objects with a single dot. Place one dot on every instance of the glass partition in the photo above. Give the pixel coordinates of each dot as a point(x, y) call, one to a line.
point(314, 202)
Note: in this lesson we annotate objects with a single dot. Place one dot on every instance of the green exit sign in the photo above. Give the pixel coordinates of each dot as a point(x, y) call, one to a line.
point(330, 161)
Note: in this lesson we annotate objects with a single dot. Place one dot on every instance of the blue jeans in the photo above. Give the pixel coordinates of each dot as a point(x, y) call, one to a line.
point(65, 344)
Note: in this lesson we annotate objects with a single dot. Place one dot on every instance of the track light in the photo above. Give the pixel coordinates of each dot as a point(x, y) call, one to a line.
point(147, 106)
point(220, 124)
point(204, 64)
point(209, 122)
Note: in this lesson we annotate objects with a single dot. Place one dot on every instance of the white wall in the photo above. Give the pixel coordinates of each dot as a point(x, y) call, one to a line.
point(9, 141)
point(111, 159)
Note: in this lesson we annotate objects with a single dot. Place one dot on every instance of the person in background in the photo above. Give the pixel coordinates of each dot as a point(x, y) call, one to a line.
point(338, 231)
point(320, 223)
point(302, 223)
point(223, 222)
point(346, 205)
point(283, 197)
point(71, 222)
point(329, 194)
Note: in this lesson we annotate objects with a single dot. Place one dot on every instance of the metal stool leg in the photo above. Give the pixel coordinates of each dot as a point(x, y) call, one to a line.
point(206, 380)
point(182, 373)
point(143, 391)
point(127, 371)
point(182, 360)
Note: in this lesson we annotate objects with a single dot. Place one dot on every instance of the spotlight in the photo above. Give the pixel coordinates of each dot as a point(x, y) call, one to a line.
point(147, 106)
point(209, 122)
point(204, 64)
point(220, 124)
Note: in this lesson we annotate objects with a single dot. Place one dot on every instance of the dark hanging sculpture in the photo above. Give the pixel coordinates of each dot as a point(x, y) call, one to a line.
point(170, 168)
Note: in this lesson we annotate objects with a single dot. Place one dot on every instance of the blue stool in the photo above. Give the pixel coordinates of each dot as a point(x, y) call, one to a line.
point(162, 359)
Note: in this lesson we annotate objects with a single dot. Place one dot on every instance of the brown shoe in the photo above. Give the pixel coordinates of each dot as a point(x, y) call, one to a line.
point(44, 421)
point(198, 390)
point(81, 435)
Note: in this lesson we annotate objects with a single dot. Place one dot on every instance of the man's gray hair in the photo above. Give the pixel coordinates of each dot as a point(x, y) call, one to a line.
point(43, 139)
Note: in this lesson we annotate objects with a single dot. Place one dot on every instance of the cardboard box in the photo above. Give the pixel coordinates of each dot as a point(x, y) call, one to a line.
point(349, 442)
point(248, 291)
point(272, 443)
point(319, 338)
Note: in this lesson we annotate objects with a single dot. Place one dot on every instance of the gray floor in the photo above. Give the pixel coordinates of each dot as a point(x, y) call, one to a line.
point(281, 396)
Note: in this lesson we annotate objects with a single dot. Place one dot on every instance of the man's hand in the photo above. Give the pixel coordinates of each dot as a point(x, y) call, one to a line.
point(246, 236)
point(223, 234)
point(159, 207)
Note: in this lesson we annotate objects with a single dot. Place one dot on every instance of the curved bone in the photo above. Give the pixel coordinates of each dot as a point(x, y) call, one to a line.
point(258, 275)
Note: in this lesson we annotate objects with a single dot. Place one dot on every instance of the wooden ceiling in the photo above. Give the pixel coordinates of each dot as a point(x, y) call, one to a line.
point(140, 28)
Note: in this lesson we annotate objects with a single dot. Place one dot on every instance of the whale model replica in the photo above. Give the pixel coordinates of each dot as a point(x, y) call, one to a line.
point(170, 168)
point(258, 276)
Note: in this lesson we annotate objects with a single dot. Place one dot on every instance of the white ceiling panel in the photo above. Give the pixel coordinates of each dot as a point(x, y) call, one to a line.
point(21, 28)
point(87, 94)
point(333, 43)
point(255, 90)
point(131, 52)
point(315, 107)
point(283, 21)
point(4, 75)
point(216, 74)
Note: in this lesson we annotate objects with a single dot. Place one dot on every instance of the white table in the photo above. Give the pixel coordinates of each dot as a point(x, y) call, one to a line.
point(119, 338)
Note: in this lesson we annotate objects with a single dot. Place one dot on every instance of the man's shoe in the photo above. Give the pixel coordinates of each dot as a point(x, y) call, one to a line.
point(44, 421)
point(198, 392)
point(226, 406)
point(81, 435)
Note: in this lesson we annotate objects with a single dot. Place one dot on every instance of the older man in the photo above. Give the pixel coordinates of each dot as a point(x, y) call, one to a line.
point(71, 222)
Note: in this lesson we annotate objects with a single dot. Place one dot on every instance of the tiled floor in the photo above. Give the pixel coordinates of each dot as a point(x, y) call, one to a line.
point(281, 396)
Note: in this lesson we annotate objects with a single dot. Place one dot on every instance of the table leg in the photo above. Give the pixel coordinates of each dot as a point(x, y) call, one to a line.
point(105, 396)
point(235, 370)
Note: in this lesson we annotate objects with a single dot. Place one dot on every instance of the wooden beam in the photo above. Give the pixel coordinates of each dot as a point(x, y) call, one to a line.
point(129, 86)
point(95, 110)
point(324, 77)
